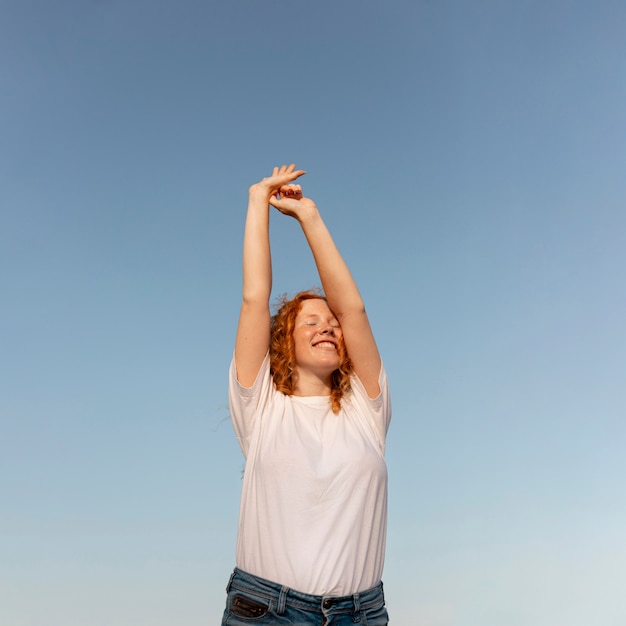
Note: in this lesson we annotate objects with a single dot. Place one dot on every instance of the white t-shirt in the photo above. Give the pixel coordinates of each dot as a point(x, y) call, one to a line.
point(313, 511)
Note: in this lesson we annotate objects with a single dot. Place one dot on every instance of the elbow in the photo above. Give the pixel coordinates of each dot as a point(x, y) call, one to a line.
point(255, 299)
point(255, 292)
point(355, 310)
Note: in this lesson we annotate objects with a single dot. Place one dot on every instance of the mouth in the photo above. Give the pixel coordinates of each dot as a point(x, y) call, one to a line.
point(325, 345)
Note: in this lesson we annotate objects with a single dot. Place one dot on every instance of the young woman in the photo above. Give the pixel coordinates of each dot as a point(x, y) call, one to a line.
point(310, 407)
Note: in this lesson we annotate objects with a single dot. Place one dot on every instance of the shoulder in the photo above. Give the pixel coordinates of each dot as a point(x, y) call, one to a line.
point(249, 405)
point(376, 411)
point(359, 391)
point(263, 378)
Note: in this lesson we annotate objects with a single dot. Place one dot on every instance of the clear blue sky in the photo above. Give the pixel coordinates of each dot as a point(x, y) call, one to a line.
point(470, 160)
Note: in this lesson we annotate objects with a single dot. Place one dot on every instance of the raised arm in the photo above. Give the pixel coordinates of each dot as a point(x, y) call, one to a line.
point(253, 331)
point(339, 287)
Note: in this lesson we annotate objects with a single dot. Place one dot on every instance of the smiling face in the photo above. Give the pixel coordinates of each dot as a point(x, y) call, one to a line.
point(317, 336)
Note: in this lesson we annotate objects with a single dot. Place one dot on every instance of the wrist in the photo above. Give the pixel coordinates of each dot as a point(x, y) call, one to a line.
point(309, 215)
point(258, 191)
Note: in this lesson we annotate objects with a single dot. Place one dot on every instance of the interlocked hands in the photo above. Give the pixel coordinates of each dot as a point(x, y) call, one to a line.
point(282, 193)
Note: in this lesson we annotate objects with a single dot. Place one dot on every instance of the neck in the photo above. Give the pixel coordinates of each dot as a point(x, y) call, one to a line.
point(311, 384)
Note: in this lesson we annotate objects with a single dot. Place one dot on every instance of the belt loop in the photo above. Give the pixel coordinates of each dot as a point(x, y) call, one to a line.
point(230, 581)
point(282, 600)
point(357, 608)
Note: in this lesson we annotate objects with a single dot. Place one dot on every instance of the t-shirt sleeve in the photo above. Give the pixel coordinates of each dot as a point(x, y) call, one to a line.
point(246, 403)
point(378, 409)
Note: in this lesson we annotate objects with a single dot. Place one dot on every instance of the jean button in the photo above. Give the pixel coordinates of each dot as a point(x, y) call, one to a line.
point(327, 603)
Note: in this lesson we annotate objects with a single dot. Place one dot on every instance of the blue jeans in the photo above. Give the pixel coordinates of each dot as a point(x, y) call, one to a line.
point(253, 601)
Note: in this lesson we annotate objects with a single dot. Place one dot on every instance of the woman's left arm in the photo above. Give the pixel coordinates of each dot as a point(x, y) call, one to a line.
point(339, 287)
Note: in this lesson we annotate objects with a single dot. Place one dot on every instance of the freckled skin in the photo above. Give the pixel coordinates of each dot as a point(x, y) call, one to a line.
point(316, 335)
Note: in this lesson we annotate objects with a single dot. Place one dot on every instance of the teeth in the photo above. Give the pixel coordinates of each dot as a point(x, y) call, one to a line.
point(325, 344)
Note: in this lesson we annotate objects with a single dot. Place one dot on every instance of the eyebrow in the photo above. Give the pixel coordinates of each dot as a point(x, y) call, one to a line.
point(315, 316)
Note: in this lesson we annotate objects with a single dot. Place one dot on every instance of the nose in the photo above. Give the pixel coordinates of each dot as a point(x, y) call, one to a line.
point(328, 330)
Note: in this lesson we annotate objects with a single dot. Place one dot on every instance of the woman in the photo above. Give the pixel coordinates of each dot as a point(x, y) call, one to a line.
point(310, 406)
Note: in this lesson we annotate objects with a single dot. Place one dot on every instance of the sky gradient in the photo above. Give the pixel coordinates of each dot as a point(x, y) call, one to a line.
point(469, 159)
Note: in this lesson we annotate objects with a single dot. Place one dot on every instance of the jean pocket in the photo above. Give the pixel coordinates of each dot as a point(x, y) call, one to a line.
point(376, 616)
point(247, 608)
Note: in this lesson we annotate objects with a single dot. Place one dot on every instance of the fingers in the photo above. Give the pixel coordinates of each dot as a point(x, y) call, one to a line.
point(278, 183)
point(291, 191)
point(288, 173)
point(283, 169)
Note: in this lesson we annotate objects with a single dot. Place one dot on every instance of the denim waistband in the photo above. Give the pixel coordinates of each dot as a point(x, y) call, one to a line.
point(283, 595)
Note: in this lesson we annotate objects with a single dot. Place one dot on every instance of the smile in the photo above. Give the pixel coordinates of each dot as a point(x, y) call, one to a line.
point(326, 344)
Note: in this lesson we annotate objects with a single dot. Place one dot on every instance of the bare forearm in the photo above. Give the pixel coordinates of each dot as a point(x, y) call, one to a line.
point(257, 264)
point(337, 281)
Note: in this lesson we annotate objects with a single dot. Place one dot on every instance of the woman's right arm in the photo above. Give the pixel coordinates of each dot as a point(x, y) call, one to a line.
point(253, 331)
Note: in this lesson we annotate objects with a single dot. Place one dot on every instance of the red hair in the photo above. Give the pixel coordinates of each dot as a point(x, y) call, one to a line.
point(283, 351)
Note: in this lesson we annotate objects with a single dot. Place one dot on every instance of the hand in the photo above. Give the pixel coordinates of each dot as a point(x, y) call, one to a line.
point(271, 186)
point(288, 198)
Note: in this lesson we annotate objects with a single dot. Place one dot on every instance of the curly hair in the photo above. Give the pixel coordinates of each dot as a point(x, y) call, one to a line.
point(283, 351)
